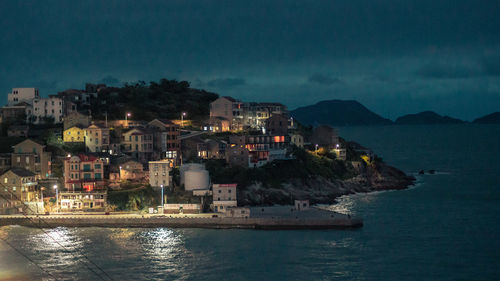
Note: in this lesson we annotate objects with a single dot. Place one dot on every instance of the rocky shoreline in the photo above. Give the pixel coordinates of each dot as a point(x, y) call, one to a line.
point(319, 190)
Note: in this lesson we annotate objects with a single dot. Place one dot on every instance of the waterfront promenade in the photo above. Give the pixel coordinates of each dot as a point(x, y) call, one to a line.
point(310, 219)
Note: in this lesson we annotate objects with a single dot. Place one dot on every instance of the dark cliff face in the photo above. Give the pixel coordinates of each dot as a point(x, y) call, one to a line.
point(338, 113)
point(493, 118)
point(426, 117)
point(374, 177)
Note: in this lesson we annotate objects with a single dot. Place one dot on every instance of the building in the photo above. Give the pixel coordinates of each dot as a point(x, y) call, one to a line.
point(194, 176)
point(97, 138)
point(256, 150)
point(19, 186)
point(277, 124)
point(301, 205)
point(127, 168)
point(48, 109)
point(84, 173)
point(166, 139)
point(237, 212)
point(212, 149)
point(32, 156)
point(244, 115)
point(22, 94)
point(341, 153)
point(18, 131)
point(325, 136)
point(19, 113)
point(224, 196)
point(217, 124)
point(159, 173)
point(5, 162)
point(83, 201)
point(75, 134)
point(181, 208)
point(76, 119)
point(297, 140)
point(138, 143)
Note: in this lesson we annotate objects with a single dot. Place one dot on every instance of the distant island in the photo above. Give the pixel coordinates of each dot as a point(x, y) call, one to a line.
point(493, 118)
point(338, 113)
point(426, 117)
point(353, 113)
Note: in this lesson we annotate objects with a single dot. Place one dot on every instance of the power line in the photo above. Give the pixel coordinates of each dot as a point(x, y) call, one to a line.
point(28, 258)
point(57, 242)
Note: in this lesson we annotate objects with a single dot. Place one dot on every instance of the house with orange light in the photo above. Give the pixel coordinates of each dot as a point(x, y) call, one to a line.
point(256, 150)
point(84, 173)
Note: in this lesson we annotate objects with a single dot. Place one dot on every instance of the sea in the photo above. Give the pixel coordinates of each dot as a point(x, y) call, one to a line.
point(445, 227)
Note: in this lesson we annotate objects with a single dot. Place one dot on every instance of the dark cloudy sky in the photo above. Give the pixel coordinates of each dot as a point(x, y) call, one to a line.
point(394, 56)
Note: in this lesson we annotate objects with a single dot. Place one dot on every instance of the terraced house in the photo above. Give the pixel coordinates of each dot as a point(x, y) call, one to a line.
point(84, 173)
point(18, 187)
point(32, 156)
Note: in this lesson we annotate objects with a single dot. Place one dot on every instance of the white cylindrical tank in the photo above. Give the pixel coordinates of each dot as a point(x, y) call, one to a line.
point(196, 179)
point(189, 167)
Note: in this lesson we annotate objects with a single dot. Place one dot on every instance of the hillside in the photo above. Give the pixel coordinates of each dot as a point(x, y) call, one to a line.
point(493, 118)
point(165, 99)
point(426, 117)
point(338, 113)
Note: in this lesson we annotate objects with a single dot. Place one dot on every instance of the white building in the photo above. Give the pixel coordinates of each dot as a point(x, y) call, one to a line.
point(159, 173)
point(22, 94)
point(51, 107)
point(224, 196)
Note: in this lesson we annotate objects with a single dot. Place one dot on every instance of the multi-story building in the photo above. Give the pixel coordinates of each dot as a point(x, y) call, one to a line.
point(74, 134)
point(22, 95)
point(18, 186)
point(32, 156)
point(277, 124)
point(45, 109)
point(245, 114)
point(224, 196)
point(84, 173)
point(166, 139)
point(217, 125)
point(325, 136)
point(212, 149)
point(159, 173)
point(19, 113)
point(138, 143)
point(297, 140)
point(82, 201)
point(97, 138)
point(5, 162)
point(18, 131)
point(256, 150)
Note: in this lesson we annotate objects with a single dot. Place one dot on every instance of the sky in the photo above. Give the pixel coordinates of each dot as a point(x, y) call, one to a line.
point(395, 57)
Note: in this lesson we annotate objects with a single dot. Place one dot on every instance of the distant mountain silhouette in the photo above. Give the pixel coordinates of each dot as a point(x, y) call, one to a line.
point(493, 118)
point(338, 113)
point(426, 117)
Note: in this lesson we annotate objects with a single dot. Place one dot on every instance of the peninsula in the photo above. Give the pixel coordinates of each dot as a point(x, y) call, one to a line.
point(166, 154)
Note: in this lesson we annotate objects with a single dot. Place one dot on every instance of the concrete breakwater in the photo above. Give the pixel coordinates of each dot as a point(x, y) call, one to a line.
point(125, 221)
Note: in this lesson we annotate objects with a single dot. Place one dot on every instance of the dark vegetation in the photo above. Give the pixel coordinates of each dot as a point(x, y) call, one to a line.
point(165, 99)
point(306, 165)
point(493, 118)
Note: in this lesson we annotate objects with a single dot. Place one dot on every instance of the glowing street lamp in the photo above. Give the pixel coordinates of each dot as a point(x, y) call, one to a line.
point(161, 195)
point(182, 119)
point(57, 197)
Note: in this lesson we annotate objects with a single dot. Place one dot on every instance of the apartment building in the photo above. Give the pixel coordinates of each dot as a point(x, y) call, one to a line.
point(159, 173)
point(97, 138)
point(166, 139)
point(138, 143)
point(45, 109)
point(224, 197)
point(32, 156)
point(22, 95)
point(83, 173)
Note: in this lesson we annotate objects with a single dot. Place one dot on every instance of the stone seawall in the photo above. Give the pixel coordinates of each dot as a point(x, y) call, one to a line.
point(178, 222)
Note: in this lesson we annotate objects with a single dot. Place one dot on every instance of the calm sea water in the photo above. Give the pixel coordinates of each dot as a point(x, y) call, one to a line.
point(444, 228)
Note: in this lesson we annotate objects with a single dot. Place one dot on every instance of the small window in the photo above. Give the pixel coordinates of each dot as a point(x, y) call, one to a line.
point(5, 180)
point(220, 191)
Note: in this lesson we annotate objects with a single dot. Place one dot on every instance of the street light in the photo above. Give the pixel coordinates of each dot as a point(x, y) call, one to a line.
point(161, 195)
point(57, 197)
point(182, 119)
point(127, 115)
